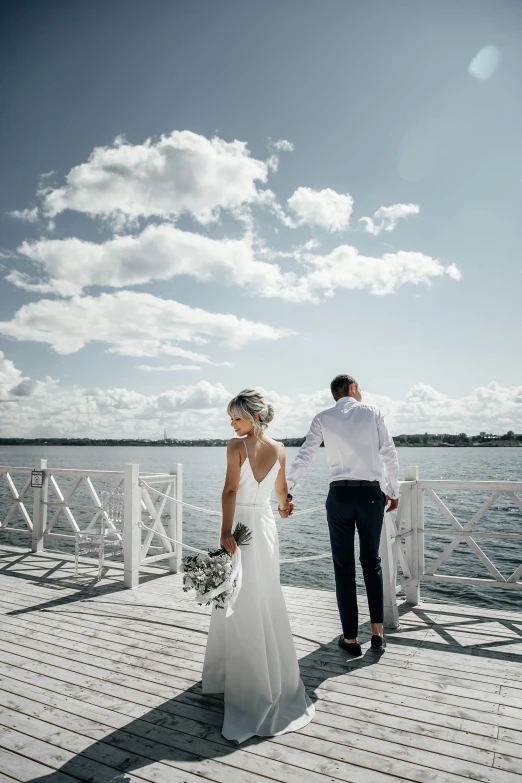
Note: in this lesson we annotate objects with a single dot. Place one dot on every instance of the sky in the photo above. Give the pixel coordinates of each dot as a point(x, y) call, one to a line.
point(199, 197)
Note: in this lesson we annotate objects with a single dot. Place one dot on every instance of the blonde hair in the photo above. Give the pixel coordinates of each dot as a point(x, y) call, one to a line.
point(249, 402)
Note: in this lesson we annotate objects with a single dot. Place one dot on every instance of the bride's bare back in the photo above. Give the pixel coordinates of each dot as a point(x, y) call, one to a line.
point(262, 455)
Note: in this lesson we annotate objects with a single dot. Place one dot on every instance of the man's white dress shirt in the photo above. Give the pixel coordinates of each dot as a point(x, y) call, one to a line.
point(357, 442)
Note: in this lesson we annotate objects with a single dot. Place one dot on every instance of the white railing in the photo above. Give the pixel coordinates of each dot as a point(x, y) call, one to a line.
point(161, 514)
point(55, 504)
point(407, 534)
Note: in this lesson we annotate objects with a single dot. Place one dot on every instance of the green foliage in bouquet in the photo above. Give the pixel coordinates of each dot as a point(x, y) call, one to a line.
point(241, 533)
point(205, 572)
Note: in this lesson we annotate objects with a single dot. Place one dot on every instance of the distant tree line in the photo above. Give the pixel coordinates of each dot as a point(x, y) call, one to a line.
point(169, 442)
point(427, 439)
point(461, 439)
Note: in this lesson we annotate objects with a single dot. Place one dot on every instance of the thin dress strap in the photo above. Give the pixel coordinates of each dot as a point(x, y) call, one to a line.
point(244, 444)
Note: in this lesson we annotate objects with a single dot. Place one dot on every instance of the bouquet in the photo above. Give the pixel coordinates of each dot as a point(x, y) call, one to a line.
point(216, 575)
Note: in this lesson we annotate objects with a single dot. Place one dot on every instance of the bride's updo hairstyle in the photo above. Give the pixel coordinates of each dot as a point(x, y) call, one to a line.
point(249, 402)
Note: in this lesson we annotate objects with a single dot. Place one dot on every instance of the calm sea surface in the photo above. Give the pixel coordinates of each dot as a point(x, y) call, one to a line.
point(203, 471)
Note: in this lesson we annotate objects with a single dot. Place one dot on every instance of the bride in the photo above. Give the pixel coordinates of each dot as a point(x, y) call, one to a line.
point(250, 655)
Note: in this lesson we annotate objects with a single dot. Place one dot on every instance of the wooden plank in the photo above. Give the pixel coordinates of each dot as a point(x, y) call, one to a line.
point(64, 712)
point(510, 735)
point(119, 692)
point(119, 698)
point(14, 766)
point(183, 759)
point(5, 779)
point(183, 651)
point(462, 610)
point(392, 756)
point(175, 749)
point(459, 744)
point(504, 672)
point(411, 731)
point(362, 699)
point(47, 759)
point(155, 682)
point(508, 763)
point(181, 663)
point(352, 712)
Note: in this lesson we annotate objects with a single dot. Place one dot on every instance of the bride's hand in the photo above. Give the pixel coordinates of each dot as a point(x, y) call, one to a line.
point(228, 543)
point(287, 511)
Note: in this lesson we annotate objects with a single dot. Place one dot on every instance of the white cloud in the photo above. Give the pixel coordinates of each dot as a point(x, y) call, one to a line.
point(386, 218)
point(25, 388)
point(30, 215)
point(55, 410)
point(179, 173)
point(492, 408)
point(153, 349)
point(267, 200)
point(10, 377)
point(168, 368)
point(186, 173)
point(323, 208)
point(281, 145)
point(129, 321)
point(345, 268)
point(162, 252)
point(157, 253)
point(203, 395)
point(273, 163)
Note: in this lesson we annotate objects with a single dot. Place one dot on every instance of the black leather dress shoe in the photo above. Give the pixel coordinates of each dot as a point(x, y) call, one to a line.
point(354, 648)
point(378, 643)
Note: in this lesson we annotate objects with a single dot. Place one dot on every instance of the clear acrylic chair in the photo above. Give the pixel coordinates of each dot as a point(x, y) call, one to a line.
point(105, 538)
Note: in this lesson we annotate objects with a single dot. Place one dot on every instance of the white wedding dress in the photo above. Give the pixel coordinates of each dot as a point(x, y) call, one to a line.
point(250, 655)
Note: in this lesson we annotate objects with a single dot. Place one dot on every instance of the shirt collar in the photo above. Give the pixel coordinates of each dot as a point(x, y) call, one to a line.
point(345, 401)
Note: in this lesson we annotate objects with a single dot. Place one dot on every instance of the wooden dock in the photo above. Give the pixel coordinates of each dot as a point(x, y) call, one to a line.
point(101, 684)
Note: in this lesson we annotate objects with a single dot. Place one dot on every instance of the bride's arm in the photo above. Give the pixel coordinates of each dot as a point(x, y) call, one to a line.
point(228, 498)
point(281, 486)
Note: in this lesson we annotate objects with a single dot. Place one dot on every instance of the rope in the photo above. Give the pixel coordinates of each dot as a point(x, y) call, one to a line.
point(302, 559)
point(307, 511)
point(181, 502)
point(181, 543)
point(215, 513)
point(204, 552)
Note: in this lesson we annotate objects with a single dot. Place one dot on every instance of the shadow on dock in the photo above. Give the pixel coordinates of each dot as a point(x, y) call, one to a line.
point(60, 576)
point(184, 730)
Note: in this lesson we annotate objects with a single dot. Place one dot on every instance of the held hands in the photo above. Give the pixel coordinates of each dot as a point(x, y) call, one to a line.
point(287, 511)
point(228, 542)
point(394, 502)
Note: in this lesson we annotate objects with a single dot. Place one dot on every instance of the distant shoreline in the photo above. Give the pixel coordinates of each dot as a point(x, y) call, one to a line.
point(291, 442)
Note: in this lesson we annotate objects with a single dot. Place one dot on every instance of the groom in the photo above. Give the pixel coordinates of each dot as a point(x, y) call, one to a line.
point(356, 439)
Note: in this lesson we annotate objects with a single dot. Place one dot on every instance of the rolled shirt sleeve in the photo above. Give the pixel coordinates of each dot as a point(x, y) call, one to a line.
point(306, 454)
point(388, 454)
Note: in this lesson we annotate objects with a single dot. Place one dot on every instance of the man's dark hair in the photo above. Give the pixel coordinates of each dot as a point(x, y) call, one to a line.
point(340, 385)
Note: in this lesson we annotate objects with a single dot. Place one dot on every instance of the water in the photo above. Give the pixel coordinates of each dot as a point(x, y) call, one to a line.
point(203, 473)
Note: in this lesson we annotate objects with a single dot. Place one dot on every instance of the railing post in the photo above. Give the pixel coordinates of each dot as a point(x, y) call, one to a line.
point(39, 508)
point(391, 610)
point(176, 518)
point(131, 530)
point(415, 539)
